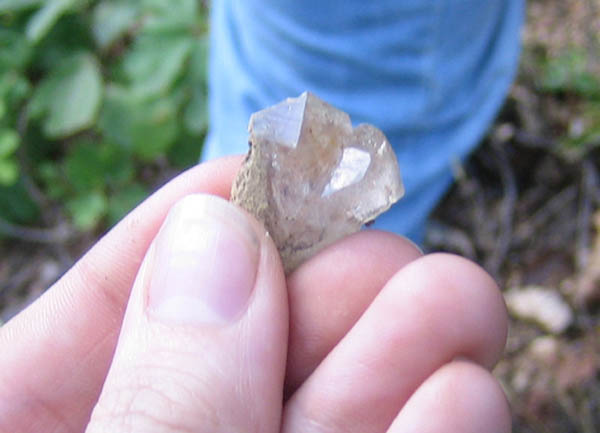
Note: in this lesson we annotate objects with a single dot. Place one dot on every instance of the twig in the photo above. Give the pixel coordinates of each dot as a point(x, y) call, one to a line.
point(443, 236)
point(589, 183)
point(534, 141)
point(593, 42)
point(53, 236)
point(551, 208)
point(527, 107)
point(507, 210)
point(595, 183)
point(57, 235)
point(594, 401)
point(34, 192)
point(19, 279)
point(471, 191)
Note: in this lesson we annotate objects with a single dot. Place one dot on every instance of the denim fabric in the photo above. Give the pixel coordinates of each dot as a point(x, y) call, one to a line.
point(431, 74)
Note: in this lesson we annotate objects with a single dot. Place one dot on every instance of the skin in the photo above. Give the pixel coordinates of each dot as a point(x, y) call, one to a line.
point(367, 336)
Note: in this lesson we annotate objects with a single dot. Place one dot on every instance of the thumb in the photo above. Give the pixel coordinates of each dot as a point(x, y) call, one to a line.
point(204, 338)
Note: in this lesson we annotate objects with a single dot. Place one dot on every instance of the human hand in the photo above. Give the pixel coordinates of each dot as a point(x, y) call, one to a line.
point(375, 333)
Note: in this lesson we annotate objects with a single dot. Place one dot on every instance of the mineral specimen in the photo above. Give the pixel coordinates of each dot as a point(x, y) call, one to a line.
point(311, 178)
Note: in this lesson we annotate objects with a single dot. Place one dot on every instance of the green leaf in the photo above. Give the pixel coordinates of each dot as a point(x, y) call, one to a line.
point(587, 85)
point(17, 206)
point(170, 16)
point(42, 21)
point(170, 7)
point(15, 51)
point(88, 209)
point(124, 200)
point(568, 72)
point(111, 20)
point(198, 69)
point(92, 165)
point(9, 171)
point(14, 88)
point(19, 89)
point(17, 5)
point(9, 142)
point(156, 62)
point(54, 183)
point(556, 75)
point(186, 153)
point(60, 43)
point(84, 166)
point(69, 97)
point(196, 112)
point(146, 126)
point(118, 165)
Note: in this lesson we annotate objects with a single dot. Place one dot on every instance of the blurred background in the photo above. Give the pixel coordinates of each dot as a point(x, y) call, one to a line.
point(101, 102)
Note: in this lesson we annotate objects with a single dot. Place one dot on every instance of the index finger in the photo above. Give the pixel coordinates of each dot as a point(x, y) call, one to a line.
point(59, 349)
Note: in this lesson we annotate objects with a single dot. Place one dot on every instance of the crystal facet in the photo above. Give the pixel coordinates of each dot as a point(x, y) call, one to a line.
point(311, 178)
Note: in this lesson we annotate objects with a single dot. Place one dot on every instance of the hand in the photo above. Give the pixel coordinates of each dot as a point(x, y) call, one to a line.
point(367, 336)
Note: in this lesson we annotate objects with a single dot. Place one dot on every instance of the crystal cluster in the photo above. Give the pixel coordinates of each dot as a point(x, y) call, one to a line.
point(312, 178)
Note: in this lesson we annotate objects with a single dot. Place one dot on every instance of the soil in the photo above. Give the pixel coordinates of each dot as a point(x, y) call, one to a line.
point(522, 206)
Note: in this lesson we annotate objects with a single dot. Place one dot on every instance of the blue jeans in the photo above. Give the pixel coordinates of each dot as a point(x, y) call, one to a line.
point(431, 74)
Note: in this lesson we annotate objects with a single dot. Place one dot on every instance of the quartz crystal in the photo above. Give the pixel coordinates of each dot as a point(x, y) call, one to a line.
point(312, 178)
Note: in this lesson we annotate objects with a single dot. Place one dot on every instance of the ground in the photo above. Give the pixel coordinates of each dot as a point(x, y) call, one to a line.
point(531, 195)
point(525, 206)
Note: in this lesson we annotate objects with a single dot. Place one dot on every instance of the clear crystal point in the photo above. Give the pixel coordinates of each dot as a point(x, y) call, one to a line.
point(311, 178)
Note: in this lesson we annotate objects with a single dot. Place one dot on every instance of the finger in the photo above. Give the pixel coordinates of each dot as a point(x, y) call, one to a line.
point(61, 346)
point(331, 291)
point(433, 310)
point(203, 342)
point(460, 397)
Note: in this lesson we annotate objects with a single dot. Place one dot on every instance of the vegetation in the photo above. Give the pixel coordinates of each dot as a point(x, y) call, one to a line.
point(526, 206)
point(93, 94)
point(102, 100)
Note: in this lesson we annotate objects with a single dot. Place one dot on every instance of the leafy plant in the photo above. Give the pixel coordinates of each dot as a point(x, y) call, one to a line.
point(91, 94)
point(9, 171)
point(570, 74)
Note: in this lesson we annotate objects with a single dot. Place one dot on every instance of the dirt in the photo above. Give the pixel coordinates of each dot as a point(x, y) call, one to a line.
point(532, 219)
point(522, 207)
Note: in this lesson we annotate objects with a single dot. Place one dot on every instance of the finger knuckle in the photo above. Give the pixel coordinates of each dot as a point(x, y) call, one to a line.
point(154, 402)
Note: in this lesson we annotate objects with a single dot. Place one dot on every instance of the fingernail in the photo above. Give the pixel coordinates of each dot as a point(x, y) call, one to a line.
point(205, 263)
point(416, 245)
